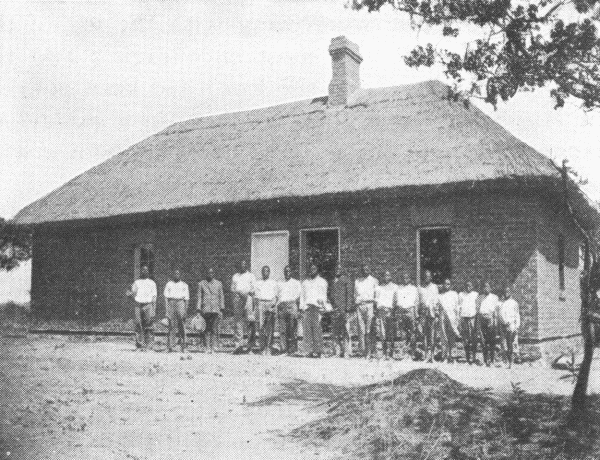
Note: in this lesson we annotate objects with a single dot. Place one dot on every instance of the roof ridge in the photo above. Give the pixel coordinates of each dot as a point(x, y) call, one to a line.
point(170, 129)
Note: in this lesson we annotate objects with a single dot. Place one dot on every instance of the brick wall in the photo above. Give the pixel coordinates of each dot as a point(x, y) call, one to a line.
point(494, 236)
point(559, 309)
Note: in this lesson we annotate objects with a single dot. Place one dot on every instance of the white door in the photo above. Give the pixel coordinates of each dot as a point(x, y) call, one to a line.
point(271, 249)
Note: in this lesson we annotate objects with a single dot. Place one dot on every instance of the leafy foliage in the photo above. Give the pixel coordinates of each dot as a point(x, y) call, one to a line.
point(521, 46)
point(15, 244)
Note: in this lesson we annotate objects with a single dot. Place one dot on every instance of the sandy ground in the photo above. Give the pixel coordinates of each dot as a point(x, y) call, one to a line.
point(65, 399)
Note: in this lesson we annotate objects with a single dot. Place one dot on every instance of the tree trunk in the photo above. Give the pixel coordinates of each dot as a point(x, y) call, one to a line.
point(579, 393)
point(588, 288)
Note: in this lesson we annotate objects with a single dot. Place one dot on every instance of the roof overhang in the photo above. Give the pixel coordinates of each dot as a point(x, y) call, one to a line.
point(587, 213)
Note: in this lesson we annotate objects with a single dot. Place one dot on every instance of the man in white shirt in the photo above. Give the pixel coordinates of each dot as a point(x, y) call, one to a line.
point(265, 294)
point(407, 299)
point(144, 294)
point(428, 305)
point(364, 299)
point(509, 320)
point(242, 289)
point(313, 298)
point(448, 319)
point(177, 296)
point(385, 301)
point(488, 310)
point(288, 301)
point(467, 306)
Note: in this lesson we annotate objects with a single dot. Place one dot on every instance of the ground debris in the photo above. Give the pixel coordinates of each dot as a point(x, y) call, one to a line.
point(425, 414)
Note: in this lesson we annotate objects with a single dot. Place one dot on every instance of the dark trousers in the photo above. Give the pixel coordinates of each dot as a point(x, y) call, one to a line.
point(143, 324)
point(507, 335)
point(469, 338)
point(340, 331)
point(407, 327)
point(366, 328)
point(287, 320)
point(488, 336)
point(252, 334)
point(386, 325)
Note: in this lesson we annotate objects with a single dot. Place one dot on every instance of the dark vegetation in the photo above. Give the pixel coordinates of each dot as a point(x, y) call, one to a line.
point(424, 414)
point(15, 244)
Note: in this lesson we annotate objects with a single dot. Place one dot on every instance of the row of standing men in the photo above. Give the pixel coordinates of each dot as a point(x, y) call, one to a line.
point(431, 315)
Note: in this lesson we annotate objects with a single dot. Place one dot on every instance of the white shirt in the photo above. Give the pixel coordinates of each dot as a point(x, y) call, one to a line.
point(449, 302)
point(509, 313)
point(243, 283)
point(429, 297)
point(385, 295)
point(144, 290)
point(266, 289)
point(364, 289)
point(177, 290)
point(408, 296)
point(467, 304)
point(314, 292)
point(489, 305)
point(289, 291)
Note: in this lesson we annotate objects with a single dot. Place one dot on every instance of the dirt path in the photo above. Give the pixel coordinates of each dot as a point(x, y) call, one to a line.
point(102, 400)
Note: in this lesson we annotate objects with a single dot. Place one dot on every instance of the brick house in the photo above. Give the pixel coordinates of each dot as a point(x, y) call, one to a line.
point(404, 178)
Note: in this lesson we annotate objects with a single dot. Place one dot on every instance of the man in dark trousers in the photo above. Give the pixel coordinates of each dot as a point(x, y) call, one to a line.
point(342, 301)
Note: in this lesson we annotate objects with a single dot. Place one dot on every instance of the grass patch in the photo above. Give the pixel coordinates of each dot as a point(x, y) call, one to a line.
point(424, 414)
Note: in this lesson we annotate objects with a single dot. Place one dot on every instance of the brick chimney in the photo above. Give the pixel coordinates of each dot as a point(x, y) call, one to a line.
point(345, 63)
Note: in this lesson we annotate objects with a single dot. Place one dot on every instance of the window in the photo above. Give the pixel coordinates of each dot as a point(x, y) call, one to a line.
point(561, 262)
point(144, 256)
point(433, 247)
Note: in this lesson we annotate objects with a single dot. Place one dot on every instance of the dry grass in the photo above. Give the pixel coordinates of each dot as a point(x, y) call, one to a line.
point(425, 415)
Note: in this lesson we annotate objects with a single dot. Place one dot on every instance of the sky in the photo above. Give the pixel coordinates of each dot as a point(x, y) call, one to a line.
point(82, 81)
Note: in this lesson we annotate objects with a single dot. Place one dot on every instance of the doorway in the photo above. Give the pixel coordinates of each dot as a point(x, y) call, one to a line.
point(320, 246)
point(434, 249)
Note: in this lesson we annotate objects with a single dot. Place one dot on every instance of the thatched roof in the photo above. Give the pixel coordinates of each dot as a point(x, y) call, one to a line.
point(385, 138)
